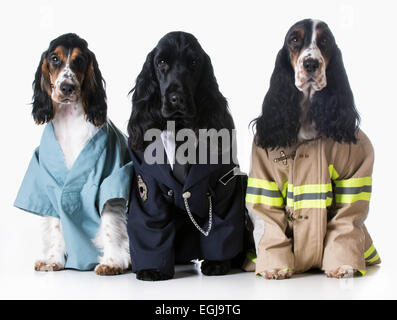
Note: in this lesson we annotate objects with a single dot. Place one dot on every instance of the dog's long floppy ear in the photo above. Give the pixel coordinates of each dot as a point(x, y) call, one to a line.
point(146, 105)
point(333, 109)
point(278, 125)
point(213, 110)
point(43, 110)
point(94, 94)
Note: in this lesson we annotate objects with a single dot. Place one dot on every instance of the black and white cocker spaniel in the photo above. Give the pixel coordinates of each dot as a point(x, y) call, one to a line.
point(309, 92)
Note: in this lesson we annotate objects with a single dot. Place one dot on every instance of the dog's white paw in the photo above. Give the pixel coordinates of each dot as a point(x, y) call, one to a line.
point(48, 265)
point(107, 267)
point(278, 274)
point(108, 270)
point(344, 271)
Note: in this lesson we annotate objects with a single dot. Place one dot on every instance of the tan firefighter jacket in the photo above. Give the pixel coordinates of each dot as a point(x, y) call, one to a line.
point(308, 204)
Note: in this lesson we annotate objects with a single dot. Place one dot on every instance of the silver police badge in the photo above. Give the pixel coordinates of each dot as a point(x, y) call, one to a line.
point(142, 188)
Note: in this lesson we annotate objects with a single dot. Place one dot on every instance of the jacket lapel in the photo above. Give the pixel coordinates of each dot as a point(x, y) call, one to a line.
point(157, 169)
point(51, 157)
point(87, 158)
point(198, 172)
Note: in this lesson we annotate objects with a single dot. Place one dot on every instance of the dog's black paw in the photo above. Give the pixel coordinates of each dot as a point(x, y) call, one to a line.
point(151, 275)
point(215, 268)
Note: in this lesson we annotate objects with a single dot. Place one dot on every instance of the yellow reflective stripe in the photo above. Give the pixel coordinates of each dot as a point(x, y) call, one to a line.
point(270, 201)
point(308, 190)
point(251, 256)
point(261, 183)
point(290, 189)
point(373, 259)
point(312, 188)
point(285, 188)
point(362, 272)
point(312, 204)
point(286, 269)
point(369, 251)
point(332, 172)
point(371, 254)
point(352, 195)
point(351, 198)
point(354, 182)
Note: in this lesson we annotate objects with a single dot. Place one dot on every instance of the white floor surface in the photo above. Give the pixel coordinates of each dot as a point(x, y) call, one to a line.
point(20, 246)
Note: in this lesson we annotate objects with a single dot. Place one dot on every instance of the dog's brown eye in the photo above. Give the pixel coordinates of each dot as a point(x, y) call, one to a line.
point(78, 61)
point(294, 40)
point(161, 63)
point(324, 41)
point(54, 59)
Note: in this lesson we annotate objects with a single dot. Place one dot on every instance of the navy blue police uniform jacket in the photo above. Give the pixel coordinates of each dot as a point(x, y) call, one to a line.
point(159, 228)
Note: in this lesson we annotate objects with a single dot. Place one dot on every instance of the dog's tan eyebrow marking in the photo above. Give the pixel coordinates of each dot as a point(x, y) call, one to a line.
point(75, 53)
point(59, 51)
point(300, 32)
point(319, 30)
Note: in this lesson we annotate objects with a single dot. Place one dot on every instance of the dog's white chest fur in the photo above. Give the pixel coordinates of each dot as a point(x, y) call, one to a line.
point(307, 129)
point(72, 131)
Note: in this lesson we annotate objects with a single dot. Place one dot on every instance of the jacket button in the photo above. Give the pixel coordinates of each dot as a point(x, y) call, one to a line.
point(170, 193)
point(186, 195)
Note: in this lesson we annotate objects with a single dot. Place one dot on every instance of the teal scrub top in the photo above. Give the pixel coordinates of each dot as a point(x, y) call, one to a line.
point(101, 172)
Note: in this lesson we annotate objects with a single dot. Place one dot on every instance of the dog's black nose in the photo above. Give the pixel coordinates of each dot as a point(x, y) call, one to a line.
point(311, 65)
point(67, 88)
point(177, 99)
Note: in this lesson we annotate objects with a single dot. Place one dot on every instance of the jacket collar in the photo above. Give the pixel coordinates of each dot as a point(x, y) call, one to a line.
point(52, 158)
point(196, 173)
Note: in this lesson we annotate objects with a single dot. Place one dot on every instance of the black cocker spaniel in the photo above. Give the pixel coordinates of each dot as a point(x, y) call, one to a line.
point(177, 82)
point(181, 212)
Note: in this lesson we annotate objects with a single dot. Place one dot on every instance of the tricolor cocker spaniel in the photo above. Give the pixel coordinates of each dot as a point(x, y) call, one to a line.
point(78, 176)
point(310, 180)
point(309, 92)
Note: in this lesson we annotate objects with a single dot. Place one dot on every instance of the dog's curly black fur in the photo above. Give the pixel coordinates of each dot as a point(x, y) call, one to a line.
point(208, 108)
point(204, 106)
point(332, 109)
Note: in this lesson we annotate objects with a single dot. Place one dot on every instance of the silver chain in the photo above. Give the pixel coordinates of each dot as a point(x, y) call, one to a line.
point(185, 196)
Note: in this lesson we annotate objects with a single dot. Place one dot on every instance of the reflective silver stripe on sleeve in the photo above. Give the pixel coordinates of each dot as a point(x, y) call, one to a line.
point(373, 254)
point(264, 192)
point(313, 196)
point(353, 190)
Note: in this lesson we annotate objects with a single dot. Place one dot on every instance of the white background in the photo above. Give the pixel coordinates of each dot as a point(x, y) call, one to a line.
point(242, 39)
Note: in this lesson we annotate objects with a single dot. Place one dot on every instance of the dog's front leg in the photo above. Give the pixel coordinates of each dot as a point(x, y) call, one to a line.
point(112, 239)
point(54, 246)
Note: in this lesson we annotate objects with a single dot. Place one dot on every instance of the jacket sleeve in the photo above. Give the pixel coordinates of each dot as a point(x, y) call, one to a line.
point(117, 172)
point(347, 241)
point(32, 195)
point(266, 209)
point(150, 226)
point(115, 186)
